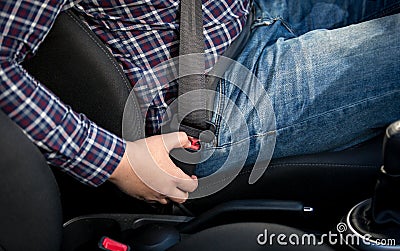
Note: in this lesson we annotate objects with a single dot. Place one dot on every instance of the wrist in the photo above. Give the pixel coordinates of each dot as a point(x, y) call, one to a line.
point(119, 170)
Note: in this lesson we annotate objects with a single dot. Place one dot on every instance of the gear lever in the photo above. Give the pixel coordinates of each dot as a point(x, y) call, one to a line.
point(385, 207)
point(377, 220)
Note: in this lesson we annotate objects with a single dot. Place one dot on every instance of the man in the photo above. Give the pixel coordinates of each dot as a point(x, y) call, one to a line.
point(329, 89)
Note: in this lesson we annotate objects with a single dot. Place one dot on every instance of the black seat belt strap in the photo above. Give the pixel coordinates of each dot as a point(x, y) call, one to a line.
point(192, 102)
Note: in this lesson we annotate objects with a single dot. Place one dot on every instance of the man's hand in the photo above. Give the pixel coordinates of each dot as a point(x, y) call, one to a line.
point(146, 172)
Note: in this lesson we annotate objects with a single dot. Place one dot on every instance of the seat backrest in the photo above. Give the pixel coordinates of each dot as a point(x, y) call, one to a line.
point(75, 64)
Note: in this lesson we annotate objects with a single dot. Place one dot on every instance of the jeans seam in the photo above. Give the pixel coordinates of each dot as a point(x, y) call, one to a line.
point(301, 122)
point(219, 111)
point(288, 27)
point(259, 135)
point(271, 21)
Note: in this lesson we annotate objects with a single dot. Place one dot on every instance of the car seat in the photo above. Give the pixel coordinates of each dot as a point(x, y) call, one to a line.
point(78, 67)
point(74, 64)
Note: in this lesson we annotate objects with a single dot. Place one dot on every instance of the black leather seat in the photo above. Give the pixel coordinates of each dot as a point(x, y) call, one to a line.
point(30, 208)
point(75, 65)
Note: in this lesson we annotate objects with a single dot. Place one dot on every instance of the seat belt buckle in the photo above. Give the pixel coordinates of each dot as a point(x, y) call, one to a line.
point(206, 135)
point(194, 144)
point(196, 137)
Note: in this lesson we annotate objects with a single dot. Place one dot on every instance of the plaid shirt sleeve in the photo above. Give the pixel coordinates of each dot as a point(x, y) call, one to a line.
point(67, 139)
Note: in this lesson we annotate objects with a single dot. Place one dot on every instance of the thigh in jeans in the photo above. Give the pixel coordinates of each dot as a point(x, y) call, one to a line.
point(330, 89)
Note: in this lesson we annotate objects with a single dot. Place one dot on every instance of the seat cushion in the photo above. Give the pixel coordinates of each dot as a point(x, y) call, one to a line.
point(331, 182)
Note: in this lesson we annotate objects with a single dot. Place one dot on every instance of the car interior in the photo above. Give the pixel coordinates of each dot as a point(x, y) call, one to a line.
point(309, 194)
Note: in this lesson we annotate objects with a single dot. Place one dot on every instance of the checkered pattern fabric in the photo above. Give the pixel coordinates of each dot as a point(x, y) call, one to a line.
point(140, 34)
point(143, 34)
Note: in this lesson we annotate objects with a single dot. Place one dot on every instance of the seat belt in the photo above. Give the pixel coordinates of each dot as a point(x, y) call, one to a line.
point(191, 115)
point(192, 100)
point(192, 108)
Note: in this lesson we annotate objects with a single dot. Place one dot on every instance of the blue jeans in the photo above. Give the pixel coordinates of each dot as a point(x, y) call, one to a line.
point(330, 71)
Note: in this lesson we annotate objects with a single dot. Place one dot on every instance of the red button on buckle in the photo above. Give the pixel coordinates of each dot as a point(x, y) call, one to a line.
point(195, 144)
point(111, 245)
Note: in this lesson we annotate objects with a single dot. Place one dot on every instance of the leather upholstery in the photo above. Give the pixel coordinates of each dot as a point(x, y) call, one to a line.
point(77, 67)
point(30, 207)
point(325, 181)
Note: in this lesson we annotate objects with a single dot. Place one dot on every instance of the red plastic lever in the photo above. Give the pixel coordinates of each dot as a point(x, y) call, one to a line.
point(195, 144)
point(112, 245)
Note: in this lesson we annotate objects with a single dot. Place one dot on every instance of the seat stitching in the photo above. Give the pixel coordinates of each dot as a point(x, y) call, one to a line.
point(117, 67)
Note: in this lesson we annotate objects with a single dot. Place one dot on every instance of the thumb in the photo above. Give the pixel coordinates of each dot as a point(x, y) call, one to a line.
point(176, 140)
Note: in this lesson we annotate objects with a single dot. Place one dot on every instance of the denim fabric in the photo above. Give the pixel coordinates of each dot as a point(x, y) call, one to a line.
point(331, 71)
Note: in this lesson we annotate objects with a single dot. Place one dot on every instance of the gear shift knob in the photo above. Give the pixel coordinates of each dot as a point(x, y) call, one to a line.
point(385, 207)
point(391, 149)
point(379, 217)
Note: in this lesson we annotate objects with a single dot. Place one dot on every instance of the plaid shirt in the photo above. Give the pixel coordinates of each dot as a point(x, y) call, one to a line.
point(140, 35)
